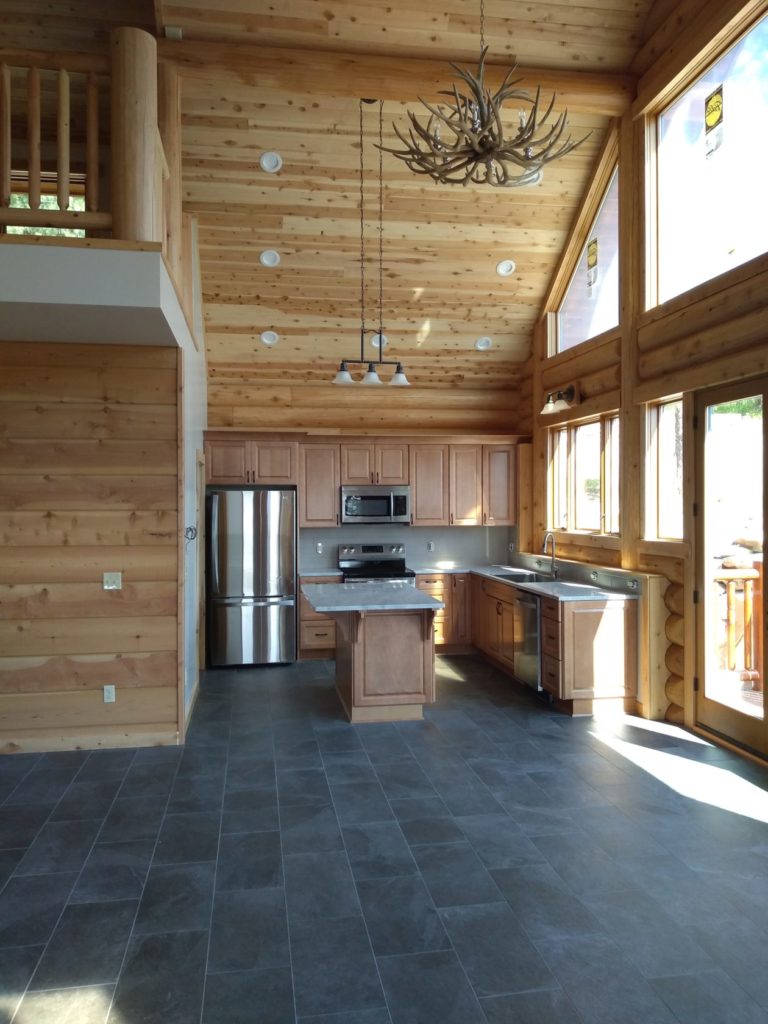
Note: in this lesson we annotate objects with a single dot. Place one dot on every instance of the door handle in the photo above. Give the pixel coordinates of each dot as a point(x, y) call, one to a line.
point(213, 540)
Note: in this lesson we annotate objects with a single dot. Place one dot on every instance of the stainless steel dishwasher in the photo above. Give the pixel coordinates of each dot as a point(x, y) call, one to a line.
point(527, 655)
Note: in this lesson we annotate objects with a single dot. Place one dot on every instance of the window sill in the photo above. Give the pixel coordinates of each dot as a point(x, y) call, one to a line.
point(593, 540)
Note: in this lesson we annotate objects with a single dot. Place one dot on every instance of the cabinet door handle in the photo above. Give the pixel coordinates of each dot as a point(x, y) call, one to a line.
point(337, 518)
point(498, 607)
point(377, 478)
point(451, 518)
point(321, 634)
point(485, 517)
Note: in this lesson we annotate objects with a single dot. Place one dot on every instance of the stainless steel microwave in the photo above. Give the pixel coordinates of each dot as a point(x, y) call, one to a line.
point(378, 504)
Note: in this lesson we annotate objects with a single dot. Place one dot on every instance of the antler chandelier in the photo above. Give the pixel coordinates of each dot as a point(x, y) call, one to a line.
point(464, 140)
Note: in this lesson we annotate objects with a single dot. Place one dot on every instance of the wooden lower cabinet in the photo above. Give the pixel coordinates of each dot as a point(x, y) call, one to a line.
point(317, 633)
point(493, 620)
point(451, 622)
point(589, 650)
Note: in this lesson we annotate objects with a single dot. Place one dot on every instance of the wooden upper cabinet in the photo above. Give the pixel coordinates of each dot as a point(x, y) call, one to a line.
point(466, 507)
point(251, 462)
point(499, 485)
point(319, 499)
point(273, 462)
point(429, 469)
point(374, 464)
point(225, 462)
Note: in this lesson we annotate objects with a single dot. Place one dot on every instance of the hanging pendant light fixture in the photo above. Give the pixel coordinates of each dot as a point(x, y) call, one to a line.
point(371, 377)
point(464, 141)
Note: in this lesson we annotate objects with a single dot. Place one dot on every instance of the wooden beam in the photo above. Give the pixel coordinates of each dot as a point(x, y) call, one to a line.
point(401, 79)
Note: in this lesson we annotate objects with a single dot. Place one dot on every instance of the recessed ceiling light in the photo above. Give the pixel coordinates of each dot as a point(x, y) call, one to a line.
point(505, 268)
point(269, 258)
point(483, 344)
point(379, 338)
point(270, 338)
point(270, 162)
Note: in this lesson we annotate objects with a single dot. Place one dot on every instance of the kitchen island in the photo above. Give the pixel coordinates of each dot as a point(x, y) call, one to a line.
point(385, 663)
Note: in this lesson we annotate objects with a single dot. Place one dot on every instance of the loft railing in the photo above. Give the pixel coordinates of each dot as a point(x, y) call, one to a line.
point(102, 133)
point(41, 96)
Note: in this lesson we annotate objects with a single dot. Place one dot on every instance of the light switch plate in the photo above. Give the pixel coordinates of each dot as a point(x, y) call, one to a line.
point(109, 694)
point(113, 581)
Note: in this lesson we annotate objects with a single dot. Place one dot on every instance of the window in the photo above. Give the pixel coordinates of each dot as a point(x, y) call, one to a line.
point(712, 153)
point(664, 471)
point(584, 477)
point(591, 303)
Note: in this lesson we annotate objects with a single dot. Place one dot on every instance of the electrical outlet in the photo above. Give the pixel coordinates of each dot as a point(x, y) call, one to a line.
point(113, 581)
point(430, 545)
point(109, 694)
point(319, 547)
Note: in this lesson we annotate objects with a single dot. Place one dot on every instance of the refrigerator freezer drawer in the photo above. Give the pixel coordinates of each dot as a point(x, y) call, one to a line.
point(251, 632)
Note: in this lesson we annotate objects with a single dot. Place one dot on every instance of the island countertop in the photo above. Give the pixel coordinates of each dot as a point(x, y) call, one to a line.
point(368, 597)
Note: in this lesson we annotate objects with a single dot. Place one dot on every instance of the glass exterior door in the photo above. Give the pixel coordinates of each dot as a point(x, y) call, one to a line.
point(731, 481)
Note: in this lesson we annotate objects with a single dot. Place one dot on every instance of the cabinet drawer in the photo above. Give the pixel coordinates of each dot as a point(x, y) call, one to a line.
point(306, 612)
point(550, 675)
point(551, 608)
point(318, 634)
point(550, 637)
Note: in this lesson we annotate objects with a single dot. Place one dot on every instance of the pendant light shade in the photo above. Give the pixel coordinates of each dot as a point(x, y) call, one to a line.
point(343, 376)
point(399, 380)
point(371, 377)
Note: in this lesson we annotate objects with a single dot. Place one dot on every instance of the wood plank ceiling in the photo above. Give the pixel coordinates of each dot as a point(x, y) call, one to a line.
point(287, 77)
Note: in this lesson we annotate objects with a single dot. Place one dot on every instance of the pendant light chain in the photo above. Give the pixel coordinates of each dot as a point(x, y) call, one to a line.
point(371, 377)
point(362, 242)
point(381, 231)
point(482, 25)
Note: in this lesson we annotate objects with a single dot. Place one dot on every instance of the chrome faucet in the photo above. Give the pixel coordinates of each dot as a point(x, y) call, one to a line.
point(547, 537)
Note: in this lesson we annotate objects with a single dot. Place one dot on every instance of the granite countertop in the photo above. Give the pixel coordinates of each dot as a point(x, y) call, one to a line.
point(368, 597)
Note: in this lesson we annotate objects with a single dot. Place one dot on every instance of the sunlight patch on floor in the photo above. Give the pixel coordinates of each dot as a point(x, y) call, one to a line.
point(705, 783)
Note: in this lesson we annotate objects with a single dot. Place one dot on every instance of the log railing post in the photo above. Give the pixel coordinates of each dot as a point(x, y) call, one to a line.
point(92, 144)
point(134, 136)
point(33, 137)
point(5, 135)
point(62, 142)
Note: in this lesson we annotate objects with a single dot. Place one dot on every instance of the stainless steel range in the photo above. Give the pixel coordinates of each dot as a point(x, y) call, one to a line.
point(374, 563)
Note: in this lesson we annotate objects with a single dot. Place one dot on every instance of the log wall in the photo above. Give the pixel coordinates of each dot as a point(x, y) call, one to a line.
point(88, 484)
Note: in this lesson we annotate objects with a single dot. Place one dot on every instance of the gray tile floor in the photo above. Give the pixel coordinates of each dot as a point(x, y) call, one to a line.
point(497, 862)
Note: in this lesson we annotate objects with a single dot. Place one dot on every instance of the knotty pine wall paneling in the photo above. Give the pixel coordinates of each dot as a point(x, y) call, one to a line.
point(88, 484)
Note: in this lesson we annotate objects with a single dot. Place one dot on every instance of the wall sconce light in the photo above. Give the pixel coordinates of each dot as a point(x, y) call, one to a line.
point(561, 401)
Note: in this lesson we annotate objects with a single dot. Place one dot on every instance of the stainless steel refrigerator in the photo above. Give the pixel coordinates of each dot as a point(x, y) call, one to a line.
point(251, 575)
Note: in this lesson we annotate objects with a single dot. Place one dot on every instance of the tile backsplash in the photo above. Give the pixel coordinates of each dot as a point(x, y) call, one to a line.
point(462, 545)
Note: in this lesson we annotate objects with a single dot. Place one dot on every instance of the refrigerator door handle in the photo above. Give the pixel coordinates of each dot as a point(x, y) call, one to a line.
point(256, 602)
point(214, 543)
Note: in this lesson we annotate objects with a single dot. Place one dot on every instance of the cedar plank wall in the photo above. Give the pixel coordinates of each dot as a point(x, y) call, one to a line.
point(88, 484)
point(396, 410)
